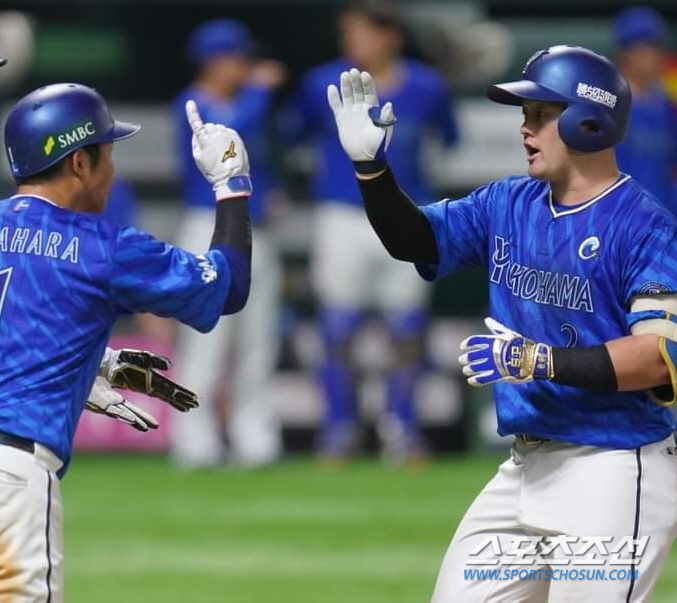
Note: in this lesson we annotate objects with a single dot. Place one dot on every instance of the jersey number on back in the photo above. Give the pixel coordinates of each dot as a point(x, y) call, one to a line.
point(4, 285)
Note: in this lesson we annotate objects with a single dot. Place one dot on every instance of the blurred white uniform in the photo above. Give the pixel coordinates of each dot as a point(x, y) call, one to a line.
point(242, 351)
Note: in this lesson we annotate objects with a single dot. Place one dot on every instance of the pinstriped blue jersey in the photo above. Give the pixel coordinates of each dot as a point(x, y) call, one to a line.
point(564, 276)
point(64, 279)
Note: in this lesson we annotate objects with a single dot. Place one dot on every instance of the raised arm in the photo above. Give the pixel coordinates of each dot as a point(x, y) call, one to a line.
point(365, 130)
point(221, 156)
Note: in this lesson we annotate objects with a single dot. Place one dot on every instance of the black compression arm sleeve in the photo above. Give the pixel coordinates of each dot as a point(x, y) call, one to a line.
point(232, 227)
point(588, 368)
point(403, 229)
point(233, 237)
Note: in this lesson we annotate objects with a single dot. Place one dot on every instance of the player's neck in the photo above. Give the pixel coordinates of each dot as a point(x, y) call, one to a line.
point(58, 194)
point(585, 179)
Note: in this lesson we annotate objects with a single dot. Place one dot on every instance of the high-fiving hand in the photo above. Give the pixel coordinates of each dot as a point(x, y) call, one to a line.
point(220, 155)
point(364, 129)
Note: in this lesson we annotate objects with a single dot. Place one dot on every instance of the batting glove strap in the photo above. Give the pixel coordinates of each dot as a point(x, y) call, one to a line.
point(236, 186)
point(370, 167)
point(504, 355)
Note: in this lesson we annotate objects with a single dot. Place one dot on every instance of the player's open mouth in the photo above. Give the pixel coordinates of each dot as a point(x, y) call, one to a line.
point(531, 151)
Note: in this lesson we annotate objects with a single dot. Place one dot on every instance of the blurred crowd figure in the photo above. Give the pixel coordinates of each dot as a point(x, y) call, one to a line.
point(232, 364)
point(350, 270)
point(649, 152)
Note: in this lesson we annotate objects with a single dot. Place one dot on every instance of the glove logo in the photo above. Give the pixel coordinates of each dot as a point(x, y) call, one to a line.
point(230, 153)
point(588, 248)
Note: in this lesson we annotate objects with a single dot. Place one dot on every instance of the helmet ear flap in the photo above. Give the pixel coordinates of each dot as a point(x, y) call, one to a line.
point(588, 128)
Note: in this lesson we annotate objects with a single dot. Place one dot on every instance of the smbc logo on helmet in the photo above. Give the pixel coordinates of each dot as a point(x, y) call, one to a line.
point(74, 134)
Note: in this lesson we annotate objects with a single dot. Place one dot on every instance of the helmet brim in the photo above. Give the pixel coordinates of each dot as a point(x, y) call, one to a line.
point(515, 93)
point(3, 60)
point(122, 130)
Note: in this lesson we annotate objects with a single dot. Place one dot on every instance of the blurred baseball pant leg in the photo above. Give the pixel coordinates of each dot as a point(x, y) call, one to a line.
point(254, 427)
point(31, 527)
point(402, 296)
point(340, 272)
point(495, 512)
point(200, 365)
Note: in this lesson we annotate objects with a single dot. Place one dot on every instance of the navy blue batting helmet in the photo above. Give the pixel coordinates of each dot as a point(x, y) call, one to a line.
point(53, 121)
point(596, 95)
point(2, 61)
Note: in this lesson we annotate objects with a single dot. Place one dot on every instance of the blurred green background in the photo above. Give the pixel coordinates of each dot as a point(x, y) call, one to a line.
point(140, 531)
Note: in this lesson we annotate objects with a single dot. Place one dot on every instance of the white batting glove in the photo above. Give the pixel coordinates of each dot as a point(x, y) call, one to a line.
point(103, 399)
point(220, 155)
point(364, 130)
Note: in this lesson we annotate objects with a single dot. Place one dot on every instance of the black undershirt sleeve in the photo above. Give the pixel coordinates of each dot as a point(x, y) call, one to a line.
point(232, 226)
point(233, 237)
point(587, 368)
point(403, 229)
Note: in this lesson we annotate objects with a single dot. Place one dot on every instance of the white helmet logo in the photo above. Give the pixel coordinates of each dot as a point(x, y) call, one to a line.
point(588, 248)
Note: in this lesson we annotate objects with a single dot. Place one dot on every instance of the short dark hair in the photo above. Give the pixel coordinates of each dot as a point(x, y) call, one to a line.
point(54, 171)
point(381, 13)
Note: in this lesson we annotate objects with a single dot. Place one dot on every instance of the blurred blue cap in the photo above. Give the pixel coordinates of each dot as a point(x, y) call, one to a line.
point(221, 36)
point(639, 25)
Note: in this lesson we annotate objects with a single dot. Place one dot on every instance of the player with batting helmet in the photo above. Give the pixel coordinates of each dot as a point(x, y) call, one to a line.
point(581, 344)
point(65, 277)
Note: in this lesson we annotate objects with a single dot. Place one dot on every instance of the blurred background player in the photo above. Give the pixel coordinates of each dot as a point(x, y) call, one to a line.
point(230, 88)
point(649, 153)
point(351, 270)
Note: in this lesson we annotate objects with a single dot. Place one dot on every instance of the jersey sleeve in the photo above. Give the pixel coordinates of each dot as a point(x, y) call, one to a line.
point(461, 229)
point(148, 275)
point(650, 266)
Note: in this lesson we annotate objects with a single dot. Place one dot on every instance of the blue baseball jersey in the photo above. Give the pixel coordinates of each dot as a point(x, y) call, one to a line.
point(422, 104)
point(248, 113)
point(64, 279)
point(564, 276)
point(649, 152)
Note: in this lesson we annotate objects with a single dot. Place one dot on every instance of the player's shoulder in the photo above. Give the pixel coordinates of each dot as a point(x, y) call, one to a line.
point(423, 76)
point(515, 188)
point(644, 210)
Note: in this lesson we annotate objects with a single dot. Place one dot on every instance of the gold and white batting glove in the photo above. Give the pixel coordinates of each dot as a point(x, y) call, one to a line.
point(135, 370)
point(220, 155)
point(364, 128)
point(104, 400)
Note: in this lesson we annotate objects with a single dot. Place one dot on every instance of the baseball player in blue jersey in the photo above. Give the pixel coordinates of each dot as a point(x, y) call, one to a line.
point(233, 89)
point(350, 279)
point(65, 277)
point(581, 344)
point(649, 151)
